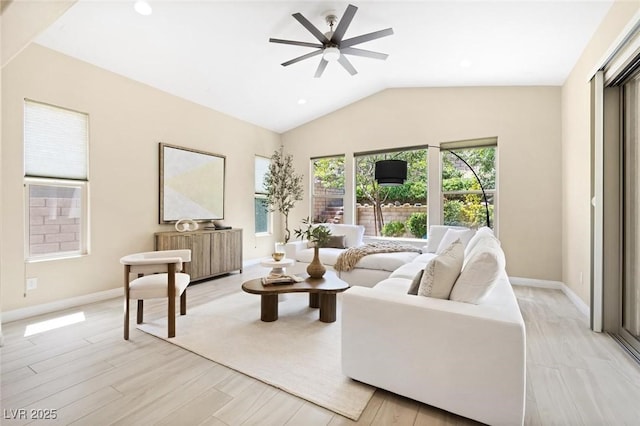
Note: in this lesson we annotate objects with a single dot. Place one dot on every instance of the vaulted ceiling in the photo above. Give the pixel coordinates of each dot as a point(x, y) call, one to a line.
point(217, 53)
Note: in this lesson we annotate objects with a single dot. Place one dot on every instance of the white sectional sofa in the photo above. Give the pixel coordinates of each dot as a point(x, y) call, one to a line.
point(466, 358)
point(368, 271)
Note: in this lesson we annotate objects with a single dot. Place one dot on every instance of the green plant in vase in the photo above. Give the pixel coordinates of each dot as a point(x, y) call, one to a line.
point(318, 235)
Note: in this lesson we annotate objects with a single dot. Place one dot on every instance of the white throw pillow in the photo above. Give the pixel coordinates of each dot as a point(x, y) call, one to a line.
point(441, 273)
point(479, 234)
point(479, 275)
point(486, 242)
point(353, 233)
point(464, 235)
point(435, 234)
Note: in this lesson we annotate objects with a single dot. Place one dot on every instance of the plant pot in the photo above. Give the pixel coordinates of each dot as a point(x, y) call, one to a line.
point(316, 269)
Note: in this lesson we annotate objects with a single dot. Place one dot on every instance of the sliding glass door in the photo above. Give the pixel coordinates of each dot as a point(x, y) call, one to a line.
point(630, 295)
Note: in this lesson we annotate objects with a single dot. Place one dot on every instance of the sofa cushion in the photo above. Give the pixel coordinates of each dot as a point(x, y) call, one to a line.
point(424, 258)
point(453, 234)
point(485, 242)
point(337, 241)
point(328, 256)
point(393, 285)
point(386, 261)
point(479, 275)
point(441, 273)
point(481, 233)
point(353, 233)
point(435, 234)
point(415, 283)
point(409, 270)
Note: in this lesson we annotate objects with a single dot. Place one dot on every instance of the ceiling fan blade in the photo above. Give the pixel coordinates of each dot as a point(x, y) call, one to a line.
point(366, 37)
point(302, 58)
point(364, 53)
point(321, 66)
point(295, 43)
point(344, 23)
point(347, 65)
point(309, 26)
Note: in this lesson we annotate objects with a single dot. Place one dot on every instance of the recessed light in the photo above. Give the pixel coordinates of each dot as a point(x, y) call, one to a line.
point(302, 101)
point(143, 7)
point(465, 63)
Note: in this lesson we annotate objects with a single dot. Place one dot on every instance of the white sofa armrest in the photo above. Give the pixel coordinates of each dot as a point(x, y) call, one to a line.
point(292, 248)
point(466, 359)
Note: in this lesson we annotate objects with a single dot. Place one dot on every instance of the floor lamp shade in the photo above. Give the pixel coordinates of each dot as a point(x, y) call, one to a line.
point(391, 172)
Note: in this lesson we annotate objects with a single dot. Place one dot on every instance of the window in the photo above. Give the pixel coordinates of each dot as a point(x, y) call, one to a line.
point(328, 189)
point(262, 215)
point(56, 181)
point(392, 211)
point(468, 175)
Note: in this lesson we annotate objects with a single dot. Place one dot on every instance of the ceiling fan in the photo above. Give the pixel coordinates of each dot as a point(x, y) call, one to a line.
point(332, 47)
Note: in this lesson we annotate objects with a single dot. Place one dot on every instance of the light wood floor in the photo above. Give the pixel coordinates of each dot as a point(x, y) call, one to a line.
point(91, 376)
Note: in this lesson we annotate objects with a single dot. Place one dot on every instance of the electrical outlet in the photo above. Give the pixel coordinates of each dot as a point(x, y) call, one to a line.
point(32, 283)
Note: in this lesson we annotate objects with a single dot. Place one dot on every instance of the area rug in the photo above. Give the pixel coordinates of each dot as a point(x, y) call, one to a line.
point(297, 353)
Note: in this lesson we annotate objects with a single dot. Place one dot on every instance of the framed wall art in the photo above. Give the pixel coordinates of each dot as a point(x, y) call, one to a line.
point(191, 184)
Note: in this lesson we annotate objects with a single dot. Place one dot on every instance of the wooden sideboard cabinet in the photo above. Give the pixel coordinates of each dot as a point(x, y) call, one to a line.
point(212, 252)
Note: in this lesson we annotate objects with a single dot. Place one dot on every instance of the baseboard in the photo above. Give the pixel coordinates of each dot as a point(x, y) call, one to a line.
point(250, 262)
point(530, 282)
point(31, 311)
point(582, 307)
point(45, 308)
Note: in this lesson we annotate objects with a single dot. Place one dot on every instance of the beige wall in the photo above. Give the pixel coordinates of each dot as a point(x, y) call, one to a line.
point(24, 20)
point(576, 150)
point(526, 121)
point(127, 120)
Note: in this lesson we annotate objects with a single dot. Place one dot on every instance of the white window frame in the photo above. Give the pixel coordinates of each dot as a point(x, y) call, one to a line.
point(74, 177)
point(312, 191)
point(261, 194)
point(391, 151)
point(462, 145)
point(83, 248)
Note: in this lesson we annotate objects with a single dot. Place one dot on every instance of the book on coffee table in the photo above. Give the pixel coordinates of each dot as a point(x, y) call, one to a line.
point(273, 279)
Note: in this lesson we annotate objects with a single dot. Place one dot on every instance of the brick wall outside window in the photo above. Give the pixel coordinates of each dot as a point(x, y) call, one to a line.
point(54, 225)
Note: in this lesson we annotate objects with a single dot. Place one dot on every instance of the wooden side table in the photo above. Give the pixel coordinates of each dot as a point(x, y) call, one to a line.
point(277, 266)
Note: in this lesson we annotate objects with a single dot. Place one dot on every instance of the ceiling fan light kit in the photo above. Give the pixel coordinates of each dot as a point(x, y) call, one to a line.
point(332, 46)
point(330, 54)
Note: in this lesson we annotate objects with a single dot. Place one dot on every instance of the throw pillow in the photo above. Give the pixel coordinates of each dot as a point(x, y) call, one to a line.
point(453, 234)
point(479, 276)
point(415, 284)
point(354, 233)
point(435, 235)
point(441, 273)
point(486, 242)
point(337, 241)
point(479, 235)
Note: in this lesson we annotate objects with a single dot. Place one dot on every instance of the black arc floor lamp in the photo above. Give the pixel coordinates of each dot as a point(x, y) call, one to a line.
point(484, 194)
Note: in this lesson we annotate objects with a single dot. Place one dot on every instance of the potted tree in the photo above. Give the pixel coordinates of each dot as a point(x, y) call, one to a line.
point(283, 186)
point(318, 235)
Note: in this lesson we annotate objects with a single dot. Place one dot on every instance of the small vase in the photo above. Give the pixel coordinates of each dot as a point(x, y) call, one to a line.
point(316, 269)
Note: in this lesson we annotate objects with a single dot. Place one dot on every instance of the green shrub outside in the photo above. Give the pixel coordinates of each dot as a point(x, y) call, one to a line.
point(393, 229)
point(417, 224)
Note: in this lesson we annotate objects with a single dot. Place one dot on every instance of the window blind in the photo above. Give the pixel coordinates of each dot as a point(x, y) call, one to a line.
point(55, 142)
point(262, 168)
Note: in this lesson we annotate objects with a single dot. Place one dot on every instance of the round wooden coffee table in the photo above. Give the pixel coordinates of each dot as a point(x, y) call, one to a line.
point(322, 294)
